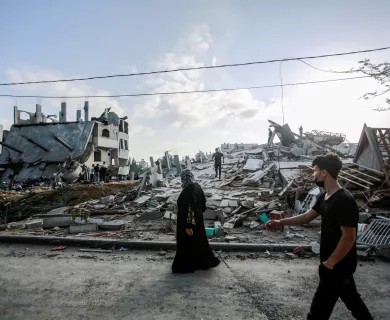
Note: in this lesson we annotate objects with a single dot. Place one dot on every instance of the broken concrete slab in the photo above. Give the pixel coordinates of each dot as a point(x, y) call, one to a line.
point(143, 199)
point(34, 224)
point(151, 215)
point(107, 200)
point(112, 225)
point(83, 228)
point(224, 203)
point(51, 222)
point(233, 203)
point(170, 215)
point(253, 165)
point(254, 179)
point(58, 211)
point(247, 204)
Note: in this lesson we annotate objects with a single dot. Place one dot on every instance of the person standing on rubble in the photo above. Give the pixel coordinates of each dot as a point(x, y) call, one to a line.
point(217, 157)
point(338, 255)
point(103, 171)
point(193, 251)
point(92, 173)
point(301, 131)
point(97, 173)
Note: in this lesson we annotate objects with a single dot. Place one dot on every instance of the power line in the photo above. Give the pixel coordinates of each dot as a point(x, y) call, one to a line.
point(180, 92)
point(330, 71)
point(194, 68)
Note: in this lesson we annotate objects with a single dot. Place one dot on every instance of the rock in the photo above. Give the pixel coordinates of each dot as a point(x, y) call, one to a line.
point(170, 215)
point(162, 253)
point(315, 247)
point(51, 222)
point(248, 204)
point(98, 206)
point(227, 210)
point(112, 225)
point(231, 238)
point(254, 224)
point(82, 228)
point(34, 224)
point(151, 215)
point(107, 200)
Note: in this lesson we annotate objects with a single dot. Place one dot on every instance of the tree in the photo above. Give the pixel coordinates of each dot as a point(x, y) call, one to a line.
point(381, 73)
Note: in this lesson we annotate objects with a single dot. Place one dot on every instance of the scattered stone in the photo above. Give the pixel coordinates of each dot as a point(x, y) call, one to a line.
point(315, 247)
point(151, 215)
point(51, 222)
point(34, 224)
point(170, 215)
point(107, 200)
point(83, 228)
point(162, 253)
point(247, 204)
point(231, 238)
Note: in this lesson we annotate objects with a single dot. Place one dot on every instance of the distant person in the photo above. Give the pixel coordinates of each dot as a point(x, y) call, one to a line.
point(103, 172)
point(193, 251)
point(301, 131)
point(97, 173)
point(340, 216)
point(92, 173)
point(217, 157)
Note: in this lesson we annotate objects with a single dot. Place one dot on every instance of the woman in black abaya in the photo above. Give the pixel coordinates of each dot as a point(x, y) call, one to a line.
point(193, 251)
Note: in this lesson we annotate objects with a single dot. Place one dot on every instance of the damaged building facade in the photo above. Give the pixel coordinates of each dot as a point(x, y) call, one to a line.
point(43, 143)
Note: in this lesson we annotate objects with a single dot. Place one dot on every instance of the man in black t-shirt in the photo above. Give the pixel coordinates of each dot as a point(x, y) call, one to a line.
point(340, 215)
point(217, 157)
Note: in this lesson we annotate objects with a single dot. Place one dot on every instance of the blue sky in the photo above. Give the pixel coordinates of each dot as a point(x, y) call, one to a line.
point(63, 39)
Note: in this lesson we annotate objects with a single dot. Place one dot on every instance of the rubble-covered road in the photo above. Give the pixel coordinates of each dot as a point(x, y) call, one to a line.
point(37, 283)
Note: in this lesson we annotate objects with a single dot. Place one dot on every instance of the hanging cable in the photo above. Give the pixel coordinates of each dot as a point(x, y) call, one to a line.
point(193, 68)
point(180, 92)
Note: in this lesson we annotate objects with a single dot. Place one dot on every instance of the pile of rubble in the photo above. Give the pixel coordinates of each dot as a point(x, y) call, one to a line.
point(264, 182)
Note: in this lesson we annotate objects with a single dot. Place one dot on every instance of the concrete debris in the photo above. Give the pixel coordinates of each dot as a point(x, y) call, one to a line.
point(82, 228)
point(34, 224)
point(315, 247)
point(259, 183)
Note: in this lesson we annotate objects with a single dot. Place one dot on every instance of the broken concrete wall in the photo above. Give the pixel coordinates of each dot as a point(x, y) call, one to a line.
point(73, 138)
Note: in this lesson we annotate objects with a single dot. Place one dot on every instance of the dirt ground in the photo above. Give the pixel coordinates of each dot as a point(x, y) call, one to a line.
point(41, 200)
point(37, 283)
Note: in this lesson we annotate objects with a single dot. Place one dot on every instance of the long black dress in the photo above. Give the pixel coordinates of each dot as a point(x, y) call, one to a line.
point(192, 252)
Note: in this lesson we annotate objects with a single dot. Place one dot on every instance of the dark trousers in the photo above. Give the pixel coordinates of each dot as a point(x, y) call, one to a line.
point(92, 177)
point(218, 168)
point(333, 285)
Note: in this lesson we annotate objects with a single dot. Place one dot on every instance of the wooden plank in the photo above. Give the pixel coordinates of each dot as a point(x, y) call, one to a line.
point(365, 174)
point(354, 182)
point(355, 177)
point(383, 140)
point(370, 169)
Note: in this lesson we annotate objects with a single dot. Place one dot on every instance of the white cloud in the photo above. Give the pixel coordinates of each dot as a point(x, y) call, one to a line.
point(201, 121)
point(140, 130)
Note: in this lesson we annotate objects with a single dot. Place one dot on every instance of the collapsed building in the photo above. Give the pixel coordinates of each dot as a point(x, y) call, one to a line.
point(260, 182)
point(42, 144)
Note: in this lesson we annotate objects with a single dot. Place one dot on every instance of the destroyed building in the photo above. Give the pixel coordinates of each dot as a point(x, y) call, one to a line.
point(43, 143)
point(230, 147)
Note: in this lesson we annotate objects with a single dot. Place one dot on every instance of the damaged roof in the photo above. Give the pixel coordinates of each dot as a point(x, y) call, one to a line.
point(47, 142)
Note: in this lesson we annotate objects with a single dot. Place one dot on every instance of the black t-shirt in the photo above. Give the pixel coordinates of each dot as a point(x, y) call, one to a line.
point(340, 210)
point(218, 157)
